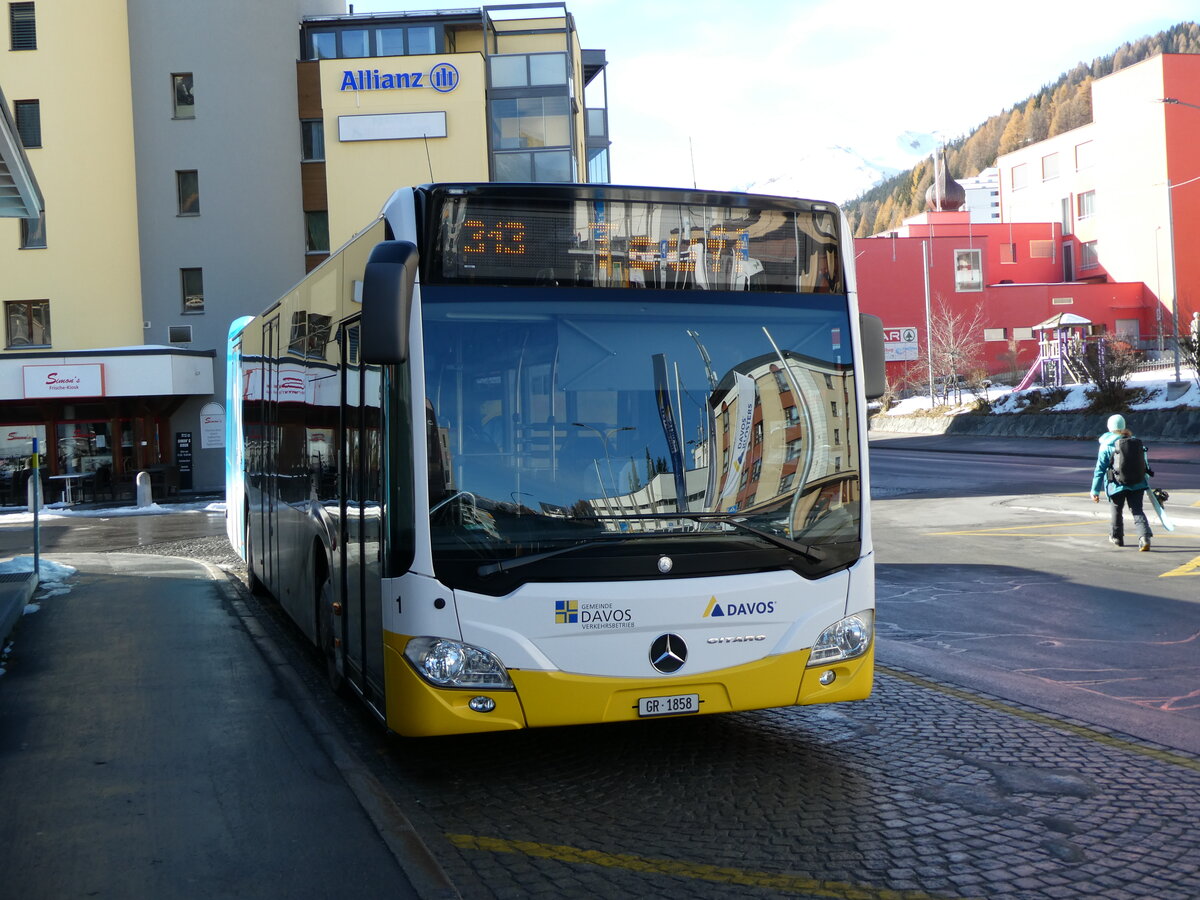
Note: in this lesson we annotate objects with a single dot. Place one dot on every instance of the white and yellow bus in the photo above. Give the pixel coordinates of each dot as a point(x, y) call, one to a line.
point(530, 455)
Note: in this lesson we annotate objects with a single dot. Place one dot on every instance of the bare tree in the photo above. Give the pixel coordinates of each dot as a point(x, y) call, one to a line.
point(1107, 362)
point(955, 346)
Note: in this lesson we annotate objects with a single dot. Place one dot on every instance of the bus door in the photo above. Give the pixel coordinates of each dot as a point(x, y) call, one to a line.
point(269, 474)
point(361, 508)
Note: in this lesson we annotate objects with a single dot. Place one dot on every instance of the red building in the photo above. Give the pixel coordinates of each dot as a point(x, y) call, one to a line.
point(1092, 223)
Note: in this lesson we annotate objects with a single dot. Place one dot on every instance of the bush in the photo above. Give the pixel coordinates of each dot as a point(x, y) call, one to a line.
point(1114, 398)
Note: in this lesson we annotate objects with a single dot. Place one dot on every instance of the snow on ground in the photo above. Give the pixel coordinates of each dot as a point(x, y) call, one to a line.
point(13, 515)
point(1005, 400)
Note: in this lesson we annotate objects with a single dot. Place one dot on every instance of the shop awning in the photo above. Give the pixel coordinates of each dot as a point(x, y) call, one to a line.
point(144, 371)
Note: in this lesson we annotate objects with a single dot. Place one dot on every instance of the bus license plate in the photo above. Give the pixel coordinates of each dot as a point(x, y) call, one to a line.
point(669, 706)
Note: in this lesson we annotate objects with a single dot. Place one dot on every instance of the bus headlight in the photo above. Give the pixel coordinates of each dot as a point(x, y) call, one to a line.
point(446, 663)
point(846, 639)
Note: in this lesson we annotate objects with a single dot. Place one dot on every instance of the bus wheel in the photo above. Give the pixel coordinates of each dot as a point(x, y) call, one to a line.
point(257, 588)
point(326, 633)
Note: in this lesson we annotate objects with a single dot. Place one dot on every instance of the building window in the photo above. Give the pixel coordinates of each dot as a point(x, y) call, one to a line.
point(1049, 166)
point(27, 323)
point(793, 449)
point(28, 115)
point(543, 166)
point(758, 433)
point(183, 98)
point(792, 415)
point(192, 283)
point(1065, 215)
point(1089, 255)
point(187, 183)
point(968, 270)
point(785, 483)
point(179, 334)
point(597, 165)
point(1019, 176)
point(33, 233)
point(525, 122)
point(419, 40)
point(1083, 155)
point(316, 231)
point(1024, 333)
point(1062, 301)
point(1008, 253)
point(22, 27)
point(323, 45)
point(528, 70)
point(1068, 258)
point(312, 138)
point(1041, 249)
point(387, 40)
point(1085, 204)
point(994, 334)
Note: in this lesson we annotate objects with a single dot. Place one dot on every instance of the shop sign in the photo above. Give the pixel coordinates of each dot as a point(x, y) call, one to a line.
point(50, 382)
point(900, 344)
point(443, 78)
point(212, 426)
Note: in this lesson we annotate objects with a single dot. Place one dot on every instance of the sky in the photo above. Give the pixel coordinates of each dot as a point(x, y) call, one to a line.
point(723, 95)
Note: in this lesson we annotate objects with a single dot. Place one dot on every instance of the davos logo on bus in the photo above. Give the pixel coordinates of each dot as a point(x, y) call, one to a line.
point(757, 608)
point(443, 78)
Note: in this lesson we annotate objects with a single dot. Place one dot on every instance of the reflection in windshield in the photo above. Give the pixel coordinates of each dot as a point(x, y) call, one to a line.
point(553, 421)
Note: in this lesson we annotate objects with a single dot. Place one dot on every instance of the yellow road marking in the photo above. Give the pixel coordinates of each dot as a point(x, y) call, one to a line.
point(1083, 731)
point(812, 887)
point(1189, 568)
point(1018, 530)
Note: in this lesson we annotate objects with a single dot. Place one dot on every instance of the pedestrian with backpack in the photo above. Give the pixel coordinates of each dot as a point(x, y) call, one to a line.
point(1121, 467)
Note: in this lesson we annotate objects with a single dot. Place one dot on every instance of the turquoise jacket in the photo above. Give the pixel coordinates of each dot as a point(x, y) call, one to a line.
point(1108, 442)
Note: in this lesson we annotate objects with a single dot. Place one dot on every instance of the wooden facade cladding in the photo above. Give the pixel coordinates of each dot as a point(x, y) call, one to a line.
point(308, 89)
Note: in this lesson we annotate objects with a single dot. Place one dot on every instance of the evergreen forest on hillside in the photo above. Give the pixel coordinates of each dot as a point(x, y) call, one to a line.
point(1057, 107)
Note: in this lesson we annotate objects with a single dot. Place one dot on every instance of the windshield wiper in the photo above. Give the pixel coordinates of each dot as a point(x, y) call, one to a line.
point(808, 551)
point(507, 565)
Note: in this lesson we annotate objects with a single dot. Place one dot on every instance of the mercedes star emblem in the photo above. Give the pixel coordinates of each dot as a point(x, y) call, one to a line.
point(665, 564)
point(668, 653)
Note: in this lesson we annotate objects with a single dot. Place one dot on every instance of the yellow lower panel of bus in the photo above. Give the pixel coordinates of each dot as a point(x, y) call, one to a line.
point(542, 699)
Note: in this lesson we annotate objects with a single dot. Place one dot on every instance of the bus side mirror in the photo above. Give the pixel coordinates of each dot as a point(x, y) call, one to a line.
point(870, 328)
point(387, 292)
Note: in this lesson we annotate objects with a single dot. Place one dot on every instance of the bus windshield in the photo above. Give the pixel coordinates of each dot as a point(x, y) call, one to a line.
point(593, 434)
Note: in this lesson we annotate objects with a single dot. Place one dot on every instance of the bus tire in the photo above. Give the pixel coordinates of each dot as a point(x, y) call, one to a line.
point(325, 629)
point(257, 588)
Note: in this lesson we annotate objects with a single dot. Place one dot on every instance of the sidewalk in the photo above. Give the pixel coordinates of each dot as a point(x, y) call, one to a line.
point(150, 746)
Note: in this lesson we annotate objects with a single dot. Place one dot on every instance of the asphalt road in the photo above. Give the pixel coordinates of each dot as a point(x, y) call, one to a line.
point(968, 773)
point(995, 573)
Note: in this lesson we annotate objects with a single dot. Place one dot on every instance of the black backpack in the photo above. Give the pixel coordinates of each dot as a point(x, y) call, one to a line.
point(1128, 464)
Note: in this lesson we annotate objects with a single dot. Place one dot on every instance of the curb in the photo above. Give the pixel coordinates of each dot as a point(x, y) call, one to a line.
point(16, 590)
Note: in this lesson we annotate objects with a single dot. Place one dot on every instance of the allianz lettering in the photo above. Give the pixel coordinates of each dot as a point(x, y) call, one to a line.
point(442, 78)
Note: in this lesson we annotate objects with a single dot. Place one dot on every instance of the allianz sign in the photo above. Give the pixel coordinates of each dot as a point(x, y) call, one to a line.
point(442, 78)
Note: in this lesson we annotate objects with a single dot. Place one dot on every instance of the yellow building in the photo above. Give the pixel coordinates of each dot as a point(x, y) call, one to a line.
point(491, 94)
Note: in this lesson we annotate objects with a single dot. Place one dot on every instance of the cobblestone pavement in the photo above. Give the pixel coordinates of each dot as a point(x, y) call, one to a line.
point(924, 790)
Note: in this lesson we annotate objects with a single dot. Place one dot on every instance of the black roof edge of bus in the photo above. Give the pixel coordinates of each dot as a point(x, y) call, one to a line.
point(622, 192)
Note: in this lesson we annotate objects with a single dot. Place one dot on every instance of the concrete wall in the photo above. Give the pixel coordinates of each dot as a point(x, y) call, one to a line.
point(1152, 425)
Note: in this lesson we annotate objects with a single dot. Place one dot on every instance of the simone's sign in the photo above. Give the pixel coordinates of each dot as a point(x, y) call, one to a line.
point(442, 78)
point(63, 381)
